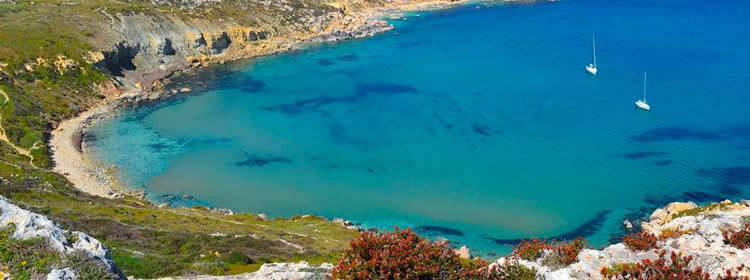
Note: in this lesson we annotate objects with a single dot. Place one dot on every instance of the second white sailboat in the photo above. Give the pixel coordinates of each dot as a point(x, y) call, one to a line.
point(641, 103)
point(591, 68)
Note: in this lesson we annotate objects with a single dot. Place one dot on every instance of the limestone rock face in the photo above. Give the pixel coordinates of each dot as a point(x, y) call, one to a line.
point(703, 241)
point(658, 215)
point(32, 225)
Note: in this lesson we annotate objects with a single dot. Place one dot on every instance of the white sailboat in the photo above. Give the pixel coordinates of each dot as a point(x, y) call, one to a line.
point(591, 68)
point(641, 103)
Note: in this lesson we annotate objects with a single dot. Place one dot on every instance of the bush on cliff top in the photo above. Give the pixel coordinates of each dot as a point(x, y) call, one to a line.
point(400, 255)
point(558, 253)
point(640, 241)
point(739, 238)
point(663, 268)
point(404, 255)
point(531, 250)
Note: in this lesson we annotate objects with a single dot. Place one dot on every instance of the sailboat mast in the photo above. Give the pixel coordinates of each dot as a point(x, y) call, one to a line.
point(593, 48)
point(644, 87)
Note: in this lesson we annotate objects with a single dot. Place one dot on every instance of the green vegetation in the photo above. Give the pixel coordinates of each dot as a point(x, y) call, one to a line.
point(33, 259)
point(26, 258)
point(46, 76)
point(616, 269)
point(404, 255)
point(147, 241)
point(702, 209)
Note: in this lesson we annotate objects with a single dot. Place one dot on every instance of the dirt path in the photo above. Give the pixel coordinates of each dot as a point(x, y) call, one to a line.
point(4, 137)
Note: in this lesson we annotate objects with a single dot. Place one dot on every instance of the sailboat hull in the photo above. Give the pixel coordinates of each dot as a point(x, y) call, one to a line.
point(591, 69)
point(642, 105)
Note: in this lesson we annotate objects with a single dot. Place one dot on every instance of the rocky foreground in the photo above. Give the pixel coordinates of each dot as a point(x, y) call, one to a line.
point(29, 225)
point(693, 231)
point(698, 234)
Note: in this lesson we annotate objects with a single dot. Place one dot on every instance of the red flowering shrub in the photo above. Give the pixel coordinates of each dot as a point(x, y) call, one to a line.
point(404, 255)
point(674, 268)
point(641, 241)
point(739, 239)
point(531, 249)
point(730, 276)
point(560, 253)
point(566, 253)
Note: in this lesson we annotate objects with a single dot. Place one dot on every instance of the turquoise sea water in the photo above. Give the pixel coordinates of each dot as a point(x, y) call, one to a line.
point(478, 124)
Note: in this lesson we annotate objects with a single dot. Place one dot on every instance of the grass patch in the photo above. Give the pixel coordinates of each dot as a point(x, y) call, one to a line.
point(147, 241)
point(26, 259)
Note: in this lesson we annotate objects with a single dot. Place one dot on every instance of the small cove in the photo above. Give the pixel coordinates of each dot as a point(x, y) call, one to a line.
point(477, 124)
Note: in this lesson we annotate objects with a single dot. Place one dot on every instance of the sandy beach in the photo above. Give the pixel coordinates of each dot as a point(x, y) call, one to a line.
point(70, 160)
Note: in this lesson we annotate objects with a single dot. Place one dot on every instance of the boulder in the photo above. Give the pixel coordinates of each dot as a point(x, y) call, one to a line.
point(627, 224)
point(677, 207)
point(62, 274)
point(31, 225)
point(441, 240)
point(659, 215)
point(463, 252)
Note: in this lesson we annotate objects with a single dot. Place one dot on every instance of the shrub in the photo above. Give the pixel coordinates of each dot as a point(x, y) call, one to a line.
point(236, 258)
point(673, 233)
point(565, 253)
point(26, 259)
point(674, 268)
point(730, 276)
point(559, 253)
point(739, 238)
point(511, 269)
point(404, 255)
point(640, 241)
point(531, 250)
point(88, 267)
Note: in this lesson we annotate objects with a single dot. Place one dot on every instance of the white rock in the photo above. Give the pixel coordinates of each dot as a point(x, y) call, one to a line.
point(658, 215)
point(32, 225)
point(62, 274)
point(94, 248)
point(463, 252)
point(704, 243)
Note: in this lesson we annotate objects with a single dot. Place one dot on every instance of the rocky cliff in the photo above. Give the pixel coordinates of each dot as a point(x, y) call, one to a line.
point(27, 225)
point(695, 232)
point(142, 48)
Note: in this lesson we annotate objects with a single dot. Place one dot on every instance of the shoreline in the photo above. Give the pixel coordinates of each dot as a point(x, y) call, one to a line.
point(70, 158)
point(68, 147)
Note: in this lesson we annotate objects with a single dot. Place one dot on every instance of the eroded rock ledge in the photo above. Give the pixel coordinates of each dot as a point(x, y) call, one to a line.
point(141, 49)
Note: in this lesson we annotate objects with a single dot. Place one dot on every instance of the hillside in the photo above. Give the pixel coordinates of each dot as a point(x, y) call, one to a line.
point(60, 58)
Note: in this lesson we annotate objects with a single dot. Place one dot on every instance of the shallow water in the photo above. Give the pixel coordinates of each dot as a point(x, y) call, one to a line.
point(478, 124)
